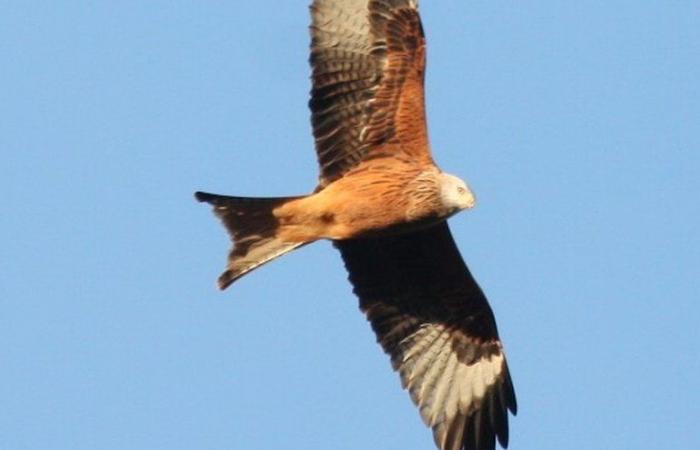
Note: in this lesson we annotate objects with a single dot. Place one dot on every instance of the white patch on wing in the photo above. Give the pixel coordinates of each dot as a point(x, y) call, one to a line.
point(440, 384)
point(443, 389)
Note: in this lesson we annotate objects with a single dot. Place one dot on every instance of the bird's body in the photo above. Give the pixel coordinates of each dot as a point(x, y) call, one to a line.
point(384, 203)
point(382, 198)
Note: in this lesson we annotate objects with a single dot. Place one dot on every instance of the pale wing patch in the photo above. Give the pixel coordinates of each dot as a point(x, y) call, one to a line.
point(439, 383)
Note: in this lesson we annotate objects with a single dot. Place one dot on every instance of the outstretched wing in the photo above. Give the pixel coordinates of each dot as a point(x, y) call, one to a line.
point(434, 321)
point(368, 65)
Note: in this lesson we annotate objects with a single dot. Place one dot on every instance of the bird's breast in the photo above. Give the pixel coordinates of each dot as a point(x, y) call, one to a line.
point(372, 202)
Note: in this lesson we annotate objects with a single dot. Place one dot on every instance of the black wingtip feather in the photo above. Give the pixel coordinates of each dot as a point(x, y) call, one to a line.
point(509, 393)
point(499, 416)
point(226, 279)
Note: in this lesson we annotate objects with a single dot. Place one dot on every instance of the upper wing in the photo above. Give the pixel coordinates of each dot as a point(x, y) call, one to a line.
point(368, 65)
point(433, 319)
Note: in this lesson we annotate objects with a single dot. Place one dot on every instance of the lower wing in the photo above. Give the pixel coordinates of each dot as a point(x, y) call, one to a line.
point(434, 321)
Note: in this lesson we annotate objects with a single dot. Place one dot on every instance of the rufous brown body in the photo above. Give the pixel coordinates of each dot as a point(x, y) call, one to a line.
point(384, 203)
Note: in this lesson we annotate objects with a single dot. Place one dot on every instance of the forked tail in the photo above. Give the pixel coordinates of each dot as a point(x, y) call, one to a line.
point(253, 230)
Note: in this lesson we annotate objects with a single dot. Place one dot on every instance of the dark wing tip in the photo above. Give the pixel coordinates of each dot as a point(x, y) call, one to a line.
point(485, 425)
point(503, 400)
point(507, 392)
point(226, 279)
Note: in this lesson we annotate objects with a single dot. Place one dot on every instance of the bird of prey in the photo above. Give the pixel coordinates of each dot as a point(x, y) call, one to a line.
point(383, 203)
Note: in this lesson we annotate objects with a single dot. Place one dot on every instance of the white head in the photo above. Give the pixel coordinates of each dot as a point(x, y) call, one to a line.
point(455, 193)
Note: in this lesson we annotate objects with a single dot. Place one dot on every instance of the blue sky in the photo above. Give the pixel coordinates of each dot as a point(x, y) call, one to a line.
point(576, 123)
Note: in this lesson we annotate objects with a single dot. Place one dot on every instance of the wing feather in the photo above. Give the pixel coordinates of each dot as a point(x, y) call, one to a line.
point(368, 65)
point(434, 321)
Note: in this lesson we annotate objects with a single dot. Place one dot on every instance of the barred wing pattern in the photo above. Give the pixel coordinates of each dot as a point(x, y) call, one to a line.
point(434, 321)
point(368, 64)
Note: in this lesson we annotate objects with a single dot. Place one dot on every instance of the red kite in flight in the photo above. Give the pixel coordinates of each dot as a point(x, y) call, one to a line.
point(384, 203)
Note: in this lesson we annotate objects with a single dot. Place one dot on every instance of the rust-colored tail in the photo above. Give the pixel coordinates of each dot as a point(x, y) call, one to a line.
point(253, 230)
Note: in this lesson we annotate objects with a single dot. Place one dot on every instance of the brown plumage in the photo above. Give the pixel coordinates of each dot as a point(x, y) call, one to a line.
point(384, 204)
point(433, 320)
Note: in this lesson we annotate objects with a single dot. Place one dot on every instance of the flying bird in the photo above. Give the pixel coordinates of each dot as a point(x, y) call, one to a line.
point(383, 203)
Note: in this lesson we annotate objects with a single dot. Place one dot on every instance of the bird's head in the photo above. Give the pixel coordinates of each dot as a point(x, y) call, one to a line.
point(455, 193)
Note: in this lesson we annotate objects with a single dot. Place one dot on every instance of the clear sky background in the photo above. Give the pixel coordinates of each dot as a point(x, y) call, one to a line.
point(576, 123)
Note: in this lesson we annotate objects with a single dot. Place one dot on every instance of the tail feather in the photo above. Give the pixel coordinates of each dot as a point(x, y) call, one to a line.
point(253, 230)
